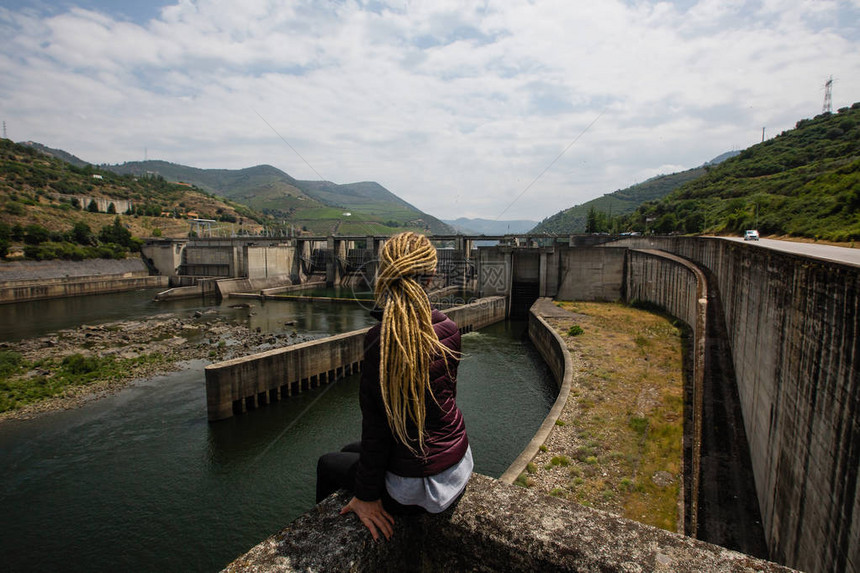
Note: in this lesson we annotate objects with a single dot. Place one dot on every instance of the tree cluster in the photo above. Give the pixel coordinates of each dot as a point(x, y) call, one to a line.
point(113, 241)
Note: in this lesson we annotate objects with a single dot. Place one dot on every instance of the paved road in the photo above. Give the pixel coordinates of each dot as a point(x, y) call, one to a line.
point(826, 252)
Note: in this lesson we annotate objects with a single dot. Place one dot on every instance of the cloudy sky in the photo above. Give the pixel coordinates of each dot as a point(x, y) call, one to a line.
point(504, 109)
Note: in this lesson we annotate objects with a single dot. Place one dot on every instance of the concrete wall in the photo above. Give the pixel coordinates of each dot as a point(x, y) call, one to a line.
point(36, 280)
point(226, 287)
point(680, 288)
point(269, 261)
point(593, 274)
point(21, 291)
point(554, 352)
point(211, 260)
point(166, 255)
point(252, 381)
point(794, 328)
point(492, 527)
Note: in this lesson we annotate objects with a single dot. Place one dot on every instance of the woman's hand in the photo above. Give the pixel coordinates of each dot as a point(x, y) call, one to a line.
point(372, 515)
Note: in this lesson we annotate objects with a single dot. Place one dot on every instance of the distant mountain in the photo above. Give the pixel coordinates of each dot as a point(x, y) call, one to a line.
point(623, 201)
point(490, 226)
point(720, 158)
point(56, 153)
point(371, 199)
point(321, 207)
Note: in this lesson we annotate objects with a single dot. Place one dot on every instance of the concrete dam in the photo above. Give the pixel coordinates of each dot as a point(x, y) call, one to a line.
point(773, 367)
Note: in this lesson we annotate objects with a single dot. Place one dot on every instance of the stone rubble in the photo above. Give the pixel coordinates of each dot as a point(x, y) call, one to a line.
point(176, 337)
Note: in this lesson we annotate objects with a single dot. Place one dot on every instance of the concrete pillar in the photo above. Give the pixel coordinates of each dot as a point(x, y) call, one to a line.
point(337, 248)
point(542, 288)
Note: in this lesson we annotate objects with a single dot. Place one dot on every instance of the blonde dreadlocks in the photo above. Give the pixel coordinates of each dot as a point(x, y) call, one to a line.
point(408, 342)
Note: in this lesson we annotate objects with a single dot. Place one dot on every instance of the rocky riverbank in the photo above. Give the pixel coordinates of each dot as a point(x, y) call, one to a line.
point(140, 349)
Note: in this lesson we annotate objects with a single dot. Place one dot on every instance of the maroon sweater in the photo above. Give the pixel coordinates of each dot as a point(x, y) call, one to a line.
point(445, 439)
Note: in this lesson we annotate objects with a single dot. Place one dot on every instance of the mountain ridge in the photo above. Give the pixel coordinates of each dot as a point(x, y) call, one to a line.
point(621, 202)
point(318, 206)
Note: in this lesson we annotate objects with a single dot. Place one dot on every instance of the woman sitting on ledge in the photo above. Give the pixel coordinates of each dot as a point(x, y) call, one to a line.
point(414, 454)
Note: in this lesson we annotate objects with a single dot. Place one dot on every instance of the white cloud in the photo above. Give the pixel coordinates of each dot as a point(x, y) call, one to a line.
point(455, 108)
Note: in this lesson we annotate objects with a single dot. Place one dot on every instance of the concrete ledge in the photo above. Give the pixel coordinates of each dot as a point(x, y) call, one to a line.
point(226, 287)
point(493, 527)
point(253, 381)
point(554, 352)
point(41, 289)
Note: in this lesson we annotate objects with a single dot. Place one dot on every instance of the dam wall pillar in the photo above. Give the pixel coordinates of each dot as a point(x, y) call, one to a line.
point(165, 255)
point(335, 261)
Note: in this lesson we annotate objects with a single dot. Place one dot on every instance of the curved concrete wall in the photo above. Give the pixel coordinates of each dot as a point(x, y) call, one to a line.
point(554, 352)
point(793, 328)
point(679, 287)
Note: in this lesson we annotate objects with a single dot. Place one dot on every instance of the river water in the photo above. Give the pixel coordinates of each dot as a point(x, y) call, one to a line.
point(141, 480)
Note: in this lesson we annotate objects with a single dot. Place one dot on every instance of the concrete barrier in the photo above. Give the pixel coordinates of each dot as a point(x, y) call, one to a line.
point(554, 352)
point(493, 527)
point(793, 324)
point(40, 289)
point(252, 381)
point(681, 288)
point(226, 287)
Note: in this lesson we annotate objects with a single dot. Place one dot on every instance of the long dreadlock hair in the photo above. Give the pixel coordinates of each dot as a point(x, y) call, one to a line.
point(408, 342)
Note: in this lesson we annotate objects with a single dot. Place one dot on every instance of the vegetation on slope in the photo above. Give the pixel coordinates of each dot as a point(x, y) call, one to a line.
point(611, 206)
point(50, 208)
point(320, 207)
point(805, 183)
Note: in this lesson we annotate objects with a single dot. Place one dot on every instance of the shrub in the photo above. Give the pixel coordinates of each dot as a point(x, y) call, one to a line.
point(575, 330)
point(14, 208)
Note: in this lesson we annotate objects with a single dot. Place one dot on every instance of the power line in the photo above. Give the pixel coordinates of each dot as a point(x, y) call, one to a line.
point(290, 146)
point(367, 230)
point(551, 163)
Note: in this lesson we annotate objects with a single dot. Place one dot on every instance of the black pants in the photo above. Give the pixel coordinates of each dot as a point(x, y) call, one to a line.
point(336, 470)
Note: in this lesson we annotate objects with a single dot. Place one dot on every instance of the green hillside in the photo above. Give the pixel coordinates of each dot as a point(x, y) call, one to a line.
point(374, 202)
point(804, 183)
point(50, 208)
point(612, 205)
point(320, 207)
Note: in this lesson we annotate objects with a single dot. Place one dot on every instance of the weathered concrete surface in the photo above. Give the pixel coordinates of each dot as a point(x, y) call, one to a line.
point(593, 274)
point(252, 381)
point(680, 288)
point(721, 506)
point(37, 280)
point(564, 273)
point(493, 527)
point(226, 287)
point(792, 324)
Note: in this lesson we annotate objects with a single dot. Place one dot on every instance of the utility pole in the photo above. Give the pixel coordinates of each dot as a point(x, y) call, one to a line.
point(828, 96)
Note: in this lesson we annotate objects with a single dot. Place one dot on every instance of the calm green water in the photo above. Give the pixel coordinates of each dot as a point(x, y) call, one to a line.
point(141, 481)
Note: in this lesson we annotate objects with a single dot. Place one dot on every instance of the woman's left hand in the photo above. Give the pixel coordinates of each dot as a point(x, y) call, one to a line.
point(372, 515)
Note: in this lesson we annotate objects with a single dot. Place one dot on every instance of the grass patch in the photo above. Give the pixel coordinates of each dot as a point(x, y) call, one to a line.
point(627, 411)
point(30, 382)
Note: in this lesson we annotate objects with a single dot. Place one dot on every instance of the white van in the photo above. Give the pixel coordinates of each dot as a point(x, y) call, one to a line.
point(751, 235)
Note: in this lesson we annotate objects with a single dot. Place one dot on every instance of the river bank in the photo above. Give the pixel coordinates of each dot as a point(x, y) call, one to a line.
point(71, 367)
